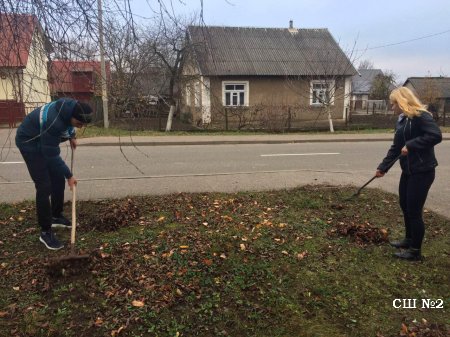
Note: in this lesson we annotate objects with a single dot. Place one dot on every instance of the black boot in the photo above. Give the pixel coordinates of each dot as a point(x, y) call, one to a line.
point(411, 254)
point(405, 243)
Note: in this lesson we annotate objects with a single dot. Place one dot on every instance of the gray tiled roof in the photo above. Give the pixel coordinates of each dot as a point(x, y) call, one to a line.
point(362, 82)
point(422, 84)
point(268, 51)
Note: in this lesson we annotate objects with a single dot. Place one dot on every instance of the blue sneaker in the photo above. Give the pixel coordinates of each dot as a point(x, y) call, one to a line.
point(50, 241)
point(61, 222)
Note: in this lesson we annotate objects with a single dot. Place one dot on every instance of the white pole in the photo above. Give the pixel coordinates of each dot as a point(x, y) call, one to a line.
point(103, 67)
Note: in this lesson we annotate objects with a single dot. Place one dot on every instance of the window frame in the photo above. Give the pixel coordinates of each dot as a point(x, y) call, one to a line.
point(330, 88)
point(245, 91)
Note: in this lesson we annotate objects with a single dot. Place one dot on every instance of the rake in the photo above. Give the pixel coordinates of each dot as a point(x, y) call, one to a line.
point(373, 178)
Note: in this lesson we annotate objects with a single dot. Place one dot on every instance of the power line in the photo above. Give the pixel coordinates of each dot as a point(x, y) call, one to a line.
point(406, 41)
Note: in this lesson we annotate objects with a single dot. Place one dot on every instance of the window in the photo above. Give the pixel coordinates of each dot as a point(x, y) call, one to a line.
point(197, 94)
point(235, 93)
point(322, 92)
point(188, 94)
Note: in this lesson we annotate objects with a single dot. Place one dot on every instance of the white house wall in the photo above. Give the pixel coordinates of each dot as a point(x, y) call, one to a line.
point(36, 89)
point(206, 99)
point(347, 95)
point(8, 85)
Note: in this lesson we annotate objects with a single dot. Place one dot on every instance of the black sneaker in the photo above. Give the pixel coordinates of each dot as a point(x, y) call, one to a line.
point(410, 254)
point(405, 243)
point(50, 241)
point(61, 222)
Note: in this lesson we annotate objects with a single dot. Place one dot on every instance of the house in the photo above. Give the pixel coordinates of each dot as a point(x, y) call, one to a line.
point(80, 80)
point(23, 70)
point(239, 75)
point(433, 91)
point(361, 87)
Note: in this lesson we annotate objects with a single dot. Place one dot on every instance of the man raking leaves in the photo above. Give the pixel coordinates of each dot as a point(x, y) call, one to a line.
point(38, 139)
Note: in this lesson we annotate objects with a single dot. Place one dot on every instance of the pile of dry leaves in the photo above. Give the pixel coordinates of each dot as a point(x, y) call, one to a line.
point(362, 233)
point(112, 215)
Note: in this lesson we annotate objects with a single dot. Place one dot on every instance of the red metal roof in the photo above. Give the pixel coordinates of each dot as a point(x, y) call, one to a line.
point(16, 34)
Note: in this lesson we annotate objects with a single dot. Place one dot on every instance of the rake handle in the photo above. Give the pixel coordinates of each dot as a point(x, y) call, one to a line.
point(360, 189)
point(374, 177)
point(74, 213)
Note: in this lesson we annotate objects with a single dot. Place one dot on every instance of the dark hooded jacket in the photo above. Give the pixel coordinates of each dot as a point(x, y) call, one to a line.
point(44, 129)
point(420, 134)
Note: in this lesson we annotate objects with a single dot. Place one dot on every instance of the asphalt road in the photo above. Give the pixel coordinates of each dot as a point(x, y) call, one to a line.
point(111, 171)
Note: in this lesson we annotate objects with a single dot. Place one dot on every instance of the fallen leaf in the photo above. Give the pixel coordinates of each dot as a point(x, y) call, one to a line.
point(242, 246)
point(302, 255)
point(184, 247)
point(404, 330)
point(3, 313)
point(161, 218)
point(138, 304)
point(208, 262)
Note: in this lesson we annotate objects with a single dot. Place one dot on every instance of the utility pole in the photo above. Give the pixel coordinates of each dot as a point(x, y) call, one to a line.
point(103, 67)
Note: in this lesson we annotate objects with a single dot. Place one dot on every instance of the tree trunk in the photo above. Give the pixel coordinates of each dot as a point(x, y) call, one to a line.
point(170, 118)
point(330, 120)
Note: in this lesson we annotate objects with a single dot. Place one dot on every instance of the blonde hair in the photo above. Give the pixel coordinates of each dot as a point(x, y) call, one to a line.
point(407, 101)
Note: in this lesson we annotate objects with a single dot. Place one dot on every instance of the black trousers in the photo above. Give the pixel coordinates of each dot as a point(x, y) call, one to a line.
point(50, 187)
point(413, 191)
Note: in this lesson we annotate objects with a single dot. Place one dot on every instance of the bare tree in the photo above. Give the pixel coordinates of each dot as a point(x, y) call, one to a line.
point(365, 64)
point(328, 81)
point(168, 43)
point(382, 85)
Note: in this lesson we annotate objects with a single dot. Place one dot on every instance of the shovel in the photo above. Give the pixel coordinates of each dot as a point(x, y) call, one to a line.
point(373, 178)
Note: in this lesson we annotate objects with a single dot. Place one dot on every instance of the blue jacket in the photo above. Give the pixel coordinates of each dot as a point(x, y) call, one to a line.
point(44, 129)
point(420, 134)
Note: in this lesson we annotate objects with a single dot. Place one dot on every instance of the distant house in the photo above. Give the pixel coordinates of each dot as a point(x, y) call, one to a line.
point(80, 80)
point(268, 71)
point(23, 66)
point(432, 90)
point(361, 87)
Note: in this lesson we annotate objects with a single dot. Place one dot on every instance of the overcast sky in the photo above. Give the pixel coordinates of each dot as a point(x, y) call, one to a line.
point(372, 25)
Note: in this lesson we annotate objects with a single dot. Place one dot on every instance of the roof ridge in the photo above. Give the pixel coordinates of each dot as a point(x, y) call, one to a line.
point(425, 77)
point(253, 27)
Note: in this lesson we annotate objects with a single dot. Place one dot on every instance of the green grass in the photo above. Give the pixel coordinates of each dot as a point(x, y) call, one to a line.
point(95, 131)
point(246, 264)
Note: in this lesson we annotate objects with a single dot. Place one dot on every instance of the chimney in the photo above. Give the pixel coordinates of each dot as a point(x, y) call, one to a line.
point(291, 29)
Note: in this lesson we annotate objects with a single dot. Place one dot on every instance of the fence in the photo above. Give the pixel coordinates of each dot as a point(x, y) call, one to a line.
point(369, 107)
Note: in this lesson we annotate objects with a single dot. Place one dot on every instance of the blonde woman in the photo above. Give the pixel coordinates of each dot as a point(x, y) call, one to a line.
point(416, 134)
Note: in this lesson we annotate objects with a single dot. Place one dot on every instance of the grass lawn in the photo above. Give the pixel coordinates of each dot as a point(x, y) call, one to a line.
point(301, 262)
point(95, 131)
